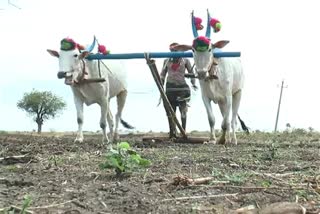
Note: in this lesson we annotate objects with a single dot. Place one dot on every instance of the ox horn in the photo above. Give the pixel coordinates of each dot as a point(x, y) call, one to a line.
point(194, 29)
point(208, 31)
point(91, 47)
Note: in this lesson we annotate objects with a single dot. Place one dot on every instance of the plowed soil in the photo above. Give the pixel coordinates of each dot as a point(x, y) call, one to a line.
point(61, 176)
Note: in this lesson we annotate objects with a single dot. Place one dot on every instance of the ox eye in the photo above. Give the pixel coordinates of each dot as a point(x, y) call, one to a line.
point(209, 50)
point(76, 55)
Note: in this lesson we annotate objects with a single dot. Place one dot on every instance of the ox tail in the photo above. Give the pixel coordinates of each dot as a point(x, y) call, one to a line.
point(243, 125)
point(126, 125)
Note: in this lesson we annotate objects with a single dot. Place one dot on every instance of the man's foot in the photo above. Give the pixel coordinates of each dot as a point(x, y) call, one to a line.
point(172, 136)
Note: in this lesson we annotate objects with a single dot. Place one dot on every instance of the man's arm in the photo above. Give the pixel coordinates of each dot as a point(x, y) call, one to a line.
point(190, 70)
point(164, 71)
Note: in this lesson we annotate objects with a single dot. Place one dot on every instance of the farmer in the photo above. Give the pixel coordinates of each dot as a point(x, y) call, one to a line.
point(177, 90)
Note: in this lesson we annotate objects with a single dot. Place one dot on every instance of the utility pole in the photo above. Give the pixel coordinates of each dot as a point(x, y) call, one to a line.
point(14, 5)
point(276, 126)
point(11, 4)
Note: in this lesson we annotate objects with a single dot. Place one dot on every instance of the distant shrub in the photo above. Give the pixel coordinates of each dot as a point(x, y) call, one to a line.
point(299, 131)
point(3, 132)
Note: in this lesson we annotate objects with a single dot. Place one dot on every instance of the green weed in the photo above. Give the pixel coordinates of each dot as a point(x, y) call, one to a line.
point(123, 159)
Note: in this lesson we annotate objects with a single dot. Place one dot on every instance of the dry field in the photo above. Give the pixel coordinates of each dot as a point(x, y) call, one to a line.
point(60, 176)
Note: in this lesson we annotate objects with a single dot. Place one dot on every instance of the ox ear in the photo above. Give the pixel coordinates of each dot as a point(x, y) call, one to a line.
point(220, 44)
point(182, 47)
point(53, 53)
point(83, 54)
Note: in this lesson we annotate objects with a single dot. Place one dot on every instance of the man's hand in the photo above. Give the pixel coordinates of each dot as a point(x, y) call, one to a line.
point(162, 81)
point(194, 87)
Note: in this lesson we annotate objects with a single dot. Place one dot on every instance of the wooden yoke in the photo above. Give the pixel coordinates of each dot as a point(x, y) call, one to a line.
point(171, 114)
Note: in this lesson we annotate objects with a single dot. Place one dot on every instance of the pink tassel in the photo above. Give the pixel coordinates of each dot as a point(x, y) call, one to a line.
point(80, 47)
point(215, 24)
point(102, 49)
point(197, 22)
point(204, 39)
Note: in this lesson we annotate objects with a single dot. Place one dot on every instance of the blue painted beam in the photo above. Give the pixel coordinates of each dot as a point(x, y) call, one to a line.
point(157, 55)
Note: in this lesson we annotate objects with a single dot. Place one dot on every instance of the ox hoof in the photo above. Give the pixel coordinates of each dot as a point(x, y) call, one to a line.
point(108, 146)
point(115, 138)
point(106, 143)
point(105, 140)
point(222, 141)
point(173, 139)
point(172, 136)
point(234, 141)
point(78, 140)
point(210, 142)
point(98, 153)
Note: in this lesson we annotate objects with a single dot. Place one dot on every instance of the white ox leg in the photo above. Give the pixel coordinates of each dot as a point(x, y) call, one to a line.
point(225, 108)
point(110, 123)
point(211, 118)
point(103, 123)
point(235, 107)
point(121, 100)
point(79, 107)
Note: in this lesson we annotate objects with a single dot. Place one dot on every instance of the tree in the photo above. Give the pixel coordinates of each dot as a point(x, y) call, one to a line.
point(41, 106)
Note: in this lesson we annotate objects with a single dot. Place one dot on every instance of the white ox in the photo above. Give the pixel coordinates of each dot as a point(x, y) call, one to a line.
point(221, 81)
point(75, 68)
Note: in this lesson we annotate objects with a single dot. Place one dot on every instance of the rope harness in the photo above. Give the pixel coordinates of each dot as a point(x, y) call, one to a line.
point(83, 79)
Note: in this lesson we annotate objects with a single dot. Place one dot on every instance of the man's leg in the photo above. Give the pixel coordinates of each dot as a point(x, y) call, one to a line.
point(172, 127)
point(183, 111)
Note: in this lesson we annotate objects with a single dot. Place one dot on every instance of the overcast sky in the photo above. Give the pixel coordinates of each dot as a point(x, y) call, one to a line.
point(278, 40)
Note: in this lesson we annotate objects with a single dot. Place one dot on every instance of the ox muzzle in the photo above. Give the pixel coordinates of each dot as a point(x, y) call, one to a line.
point(201, 74)
point(67, 76)
point(61, 74)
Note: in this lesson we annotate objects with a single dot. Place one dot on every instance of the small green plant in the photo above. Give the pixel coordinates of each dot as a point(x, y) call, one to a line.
point(302, 194)
point(13, 168)
point(266, 183)
point(56, 160)
point(236, 178)
point(123, 159)
point(216, 173)
point(27, 200)
point(270, 153)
